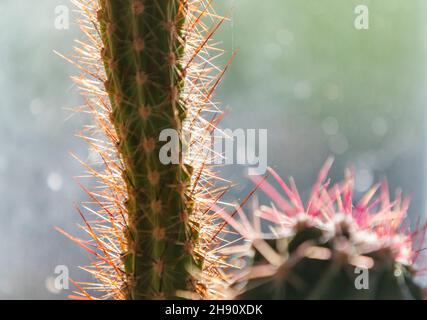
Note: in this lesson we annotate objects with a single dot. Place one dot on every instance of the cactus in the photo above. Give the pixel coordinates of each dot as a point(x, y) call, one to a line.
point(146, 67)
point(143, 58)
point(157, 230)
point(320, 266)
point(328, 249)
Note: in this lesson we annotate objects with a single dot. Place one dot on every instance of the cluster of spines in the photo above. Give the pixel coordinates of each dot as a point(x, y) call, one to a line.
point(292, 250)
point(320, 264)
point(147, 66)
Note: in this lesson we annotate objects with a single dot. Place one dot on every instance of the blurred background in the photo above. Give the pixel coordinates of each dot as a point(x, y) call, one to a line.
point(303, 71)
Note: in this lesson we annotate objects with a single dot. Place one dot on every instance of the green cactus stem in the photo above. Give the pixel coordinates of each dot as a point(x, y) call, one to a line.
point(143, 49)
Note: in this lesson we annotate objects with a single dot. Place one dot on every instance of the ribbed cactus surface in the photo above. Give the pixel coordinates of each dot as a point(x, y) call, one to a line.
point(142, 53)
point(148, 74)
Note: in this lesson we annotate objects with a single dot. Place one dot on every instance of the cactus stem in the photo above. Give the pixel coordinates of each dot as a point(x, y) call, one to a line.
point(144, 67)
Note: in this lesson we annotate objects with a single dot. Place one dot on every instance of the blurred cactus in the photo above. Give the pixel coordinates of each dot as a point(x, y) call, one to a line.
point(328, 249)
point(147, 66)
point(318, 265)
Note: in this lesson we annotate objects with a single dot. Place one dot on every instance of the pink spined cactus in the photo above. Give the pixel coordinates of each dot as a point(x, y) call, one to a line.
point(310, 251)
